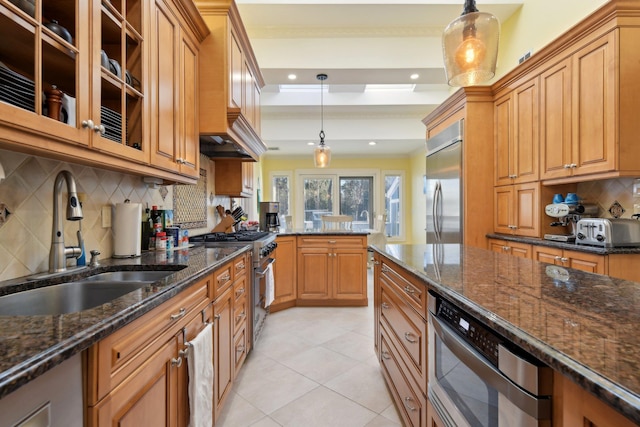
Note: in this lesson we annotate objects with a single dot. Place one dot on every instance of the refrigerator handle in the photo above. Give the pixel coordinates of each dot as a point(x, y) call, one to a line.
point(436, 198)
point(439, 211)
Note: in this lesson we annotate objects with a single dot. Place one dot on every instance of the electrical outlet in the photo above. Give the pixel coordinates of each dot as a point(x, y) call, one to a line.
point(106, 216)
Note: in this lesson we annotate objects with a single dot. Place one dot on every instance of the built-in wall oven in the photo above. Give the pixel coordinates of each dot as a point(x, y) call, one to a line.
point(477, 378)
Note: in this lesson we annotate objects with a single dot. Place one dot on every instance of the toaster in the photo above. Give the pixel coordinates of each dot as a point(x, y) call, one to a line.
point(608, 232)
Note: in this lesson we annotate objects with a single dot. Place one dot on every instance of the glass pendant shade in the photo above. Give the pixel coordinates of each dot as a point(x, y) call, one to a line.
point(470, 48)
point(322, 156)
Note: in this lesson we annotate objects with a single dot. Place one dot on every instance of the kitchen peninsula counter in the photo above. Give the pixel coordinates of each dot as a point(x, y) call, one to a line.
point(301, 232)
point(599, 350)
point(32, 345)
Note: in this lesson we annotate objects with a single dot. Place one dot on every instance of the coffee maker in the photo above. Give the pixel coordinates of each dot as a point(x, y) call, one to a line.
point(269, 220)
point(567, 216)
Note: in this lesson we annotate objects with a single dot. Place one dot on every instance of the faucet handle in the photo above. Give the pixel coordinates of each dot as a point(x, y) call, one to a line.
point(94, 258)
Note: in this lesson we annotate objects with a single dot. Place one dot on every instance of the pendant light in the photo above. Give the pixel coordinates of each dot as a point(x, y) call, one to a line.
point(470, 47)
point(322, 153)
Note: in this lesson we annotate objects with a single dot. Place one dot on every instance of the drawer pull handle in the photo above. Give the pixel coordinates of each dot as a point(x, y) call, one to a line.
point(386, 269)
point(410, 337)
point(240, 291)
point(240, 266)
point(179, 314)
point(385, 306)
point(331, 241)
point(241, 315)
point(376, 262)
point(385, 355)
point(224, 279)
point(563, 260)
point(240, 349)
point(409, 290)
point(407, 403)
point(217, 317)
point(176, 362)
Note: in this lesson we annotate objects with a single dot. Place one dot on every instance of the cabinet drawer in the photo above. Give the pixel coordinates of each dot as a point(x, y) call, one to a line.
point(333, 241)
point(239, 350)
point(114, 358)
point(241, 264)
point(410, 403)
point(408, 331)
point(414, 293)
point(240, 288)
point(240, 311)
point(223, 277)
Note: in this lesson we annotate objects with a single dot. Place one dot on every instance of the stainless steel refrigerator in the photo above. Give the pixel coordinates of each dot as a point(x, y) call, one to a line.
point(443, 186)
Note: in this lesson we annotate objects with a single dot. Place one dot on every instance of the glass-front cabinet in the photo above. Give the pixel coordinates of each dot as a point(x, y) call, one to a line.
point(72, 71)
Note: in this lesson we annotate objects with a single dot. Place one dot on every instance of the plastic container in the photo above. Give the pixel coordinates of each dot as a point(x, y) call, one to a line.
point(161, 240)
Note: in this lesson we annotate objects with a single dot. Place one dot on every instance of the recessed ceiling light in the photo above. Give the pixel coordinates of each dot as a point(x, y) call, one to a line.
point(292, 76)
point(414, 76)
point(372, 143)
point(311, 143)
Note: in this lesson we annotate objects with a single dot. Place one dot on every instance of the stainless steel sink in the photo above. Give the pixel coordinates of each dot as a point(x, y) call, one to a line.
point(78, 295)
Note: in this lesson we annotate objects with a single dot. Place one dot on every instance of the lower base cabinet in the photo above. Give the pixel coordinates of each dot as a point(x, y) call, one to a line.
point(138, 375)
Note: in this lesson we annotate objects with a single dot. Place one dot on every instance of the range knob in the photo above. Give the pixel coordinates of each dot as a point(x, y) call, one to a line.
point(600, 238)
point(581, 236)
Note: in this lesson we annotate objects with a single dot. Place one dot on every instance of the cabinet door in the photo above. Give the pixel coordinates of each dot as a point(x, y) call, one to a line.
point(39, 67)
point(547, 254)
point(526, 132)
point(236, 75)
point(247, 178)
point(555, 121)
point(349, 274)
point(503, 117)
point(591, 263)
point(189, 142)
point(594, 113)
point(248, 104)
point(165, 87)
point(314, 273)
point(119, 102)
point(526, 210)
point(284, 270)
point(503, 212)
point(149, 396)
point(223, 360)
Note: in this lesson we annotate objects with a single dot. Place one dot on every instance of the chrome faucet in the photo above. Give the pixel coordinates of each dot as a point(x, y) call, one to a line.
point(59, 253)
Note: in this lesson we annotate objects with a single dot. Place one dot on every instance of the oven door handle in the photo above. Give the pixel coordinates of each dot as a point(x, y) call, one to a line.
point(263, 272)
point(538, 408)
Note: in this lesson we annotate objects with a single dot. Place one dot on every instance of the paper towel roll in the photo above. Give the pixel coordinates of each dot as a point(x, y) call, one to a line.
point(127, 227)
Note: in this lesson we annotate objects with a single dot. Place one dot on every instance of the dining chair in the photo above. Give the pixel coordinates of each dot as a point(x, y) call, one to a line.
point(336, 222)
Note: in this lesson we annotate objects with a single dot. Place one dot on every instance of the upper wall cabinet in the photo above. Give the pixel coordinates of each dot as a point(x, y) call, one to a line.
point(80, 82)
point(230, 81)
point(516, 135)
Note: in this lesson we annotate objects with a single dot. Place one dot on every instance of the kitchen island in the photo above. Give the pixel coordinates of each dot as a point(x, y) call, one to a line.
point(32, 345)
point(580, 324)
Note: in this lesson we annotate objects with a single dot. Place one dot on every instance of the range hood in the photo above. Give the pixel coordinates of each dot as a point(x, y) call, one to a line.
point(239, 142)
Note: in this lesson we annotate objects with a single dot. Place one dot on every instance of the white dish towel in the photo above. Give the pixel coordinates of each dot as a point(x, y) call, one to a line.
point(269, 293)
point(200, 361)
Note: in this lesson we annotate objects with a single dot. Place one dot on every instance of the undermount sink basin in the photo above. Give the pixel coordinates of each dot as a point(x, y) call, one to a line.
point(78, 295)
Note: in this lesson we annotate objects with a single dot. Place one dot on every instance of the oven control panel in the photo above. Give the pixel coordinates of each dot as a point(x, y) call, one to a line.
point(476, 334)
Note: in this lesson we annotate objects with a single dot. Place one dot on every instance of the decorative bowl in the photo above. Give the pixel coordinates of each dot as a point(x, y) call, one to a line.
point(59, 30)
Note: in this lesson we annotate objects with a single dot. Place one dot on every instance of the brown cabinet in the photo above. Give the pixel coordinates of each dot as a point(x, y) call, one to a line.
point(401, 338)
point(522, 250)
point(584, 131)
point(234, 178)
point(108, 109)
point(517, 209)
point(174, 71)
point(230, 80)
point(332, 269)
point(591, 263)
point(284, 272)
point(517, 135)
point(223, 361)
point(139, 371)
point(433, 419)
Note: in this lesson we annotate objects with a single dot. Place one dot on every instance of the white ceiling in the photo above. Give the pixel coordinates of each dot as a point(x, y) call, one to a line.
point(356, 43)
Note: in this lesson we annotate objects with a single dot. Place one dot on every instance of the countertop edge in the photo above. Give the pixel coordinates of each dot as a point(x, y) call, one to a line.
point(621, 399)
point(598, 250)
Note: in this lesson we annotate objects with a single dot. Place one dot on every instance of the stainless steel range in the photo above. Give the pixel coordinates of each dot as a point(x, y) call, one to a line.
point(262, 255)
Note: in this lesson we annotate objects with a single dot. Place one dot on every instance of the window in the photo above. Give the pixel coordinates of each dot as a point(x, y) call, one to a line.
point(318, 200)
point(356, 200)
point(393, 204)
point(281, 190)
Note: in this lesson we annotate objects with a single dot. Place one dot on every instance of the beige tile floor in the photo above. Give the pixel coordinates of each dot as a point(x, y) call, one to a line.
point(312, 367)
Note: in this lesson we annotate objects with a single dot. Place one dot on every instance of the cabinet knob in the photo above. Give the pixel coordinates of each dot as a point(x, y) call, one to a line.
point(385, 305)
point(376, 262)
point(513, 176)
point(99, 129)
point(87, 124)
point(566, 166)
point(176, 362)
point(573, 165)
point(563, 260)
point(180, 161)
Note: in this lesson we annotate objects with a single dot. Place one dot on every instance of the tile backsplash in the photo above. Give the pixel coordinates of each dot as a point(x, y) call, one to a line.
point(27, 193)
point(626, 191)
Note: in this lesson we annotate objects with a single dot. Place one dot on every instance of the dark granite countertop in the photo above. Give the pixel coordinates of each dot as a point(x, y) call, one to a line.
point(31, 345)
point(582, 325)
point(562, 245)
